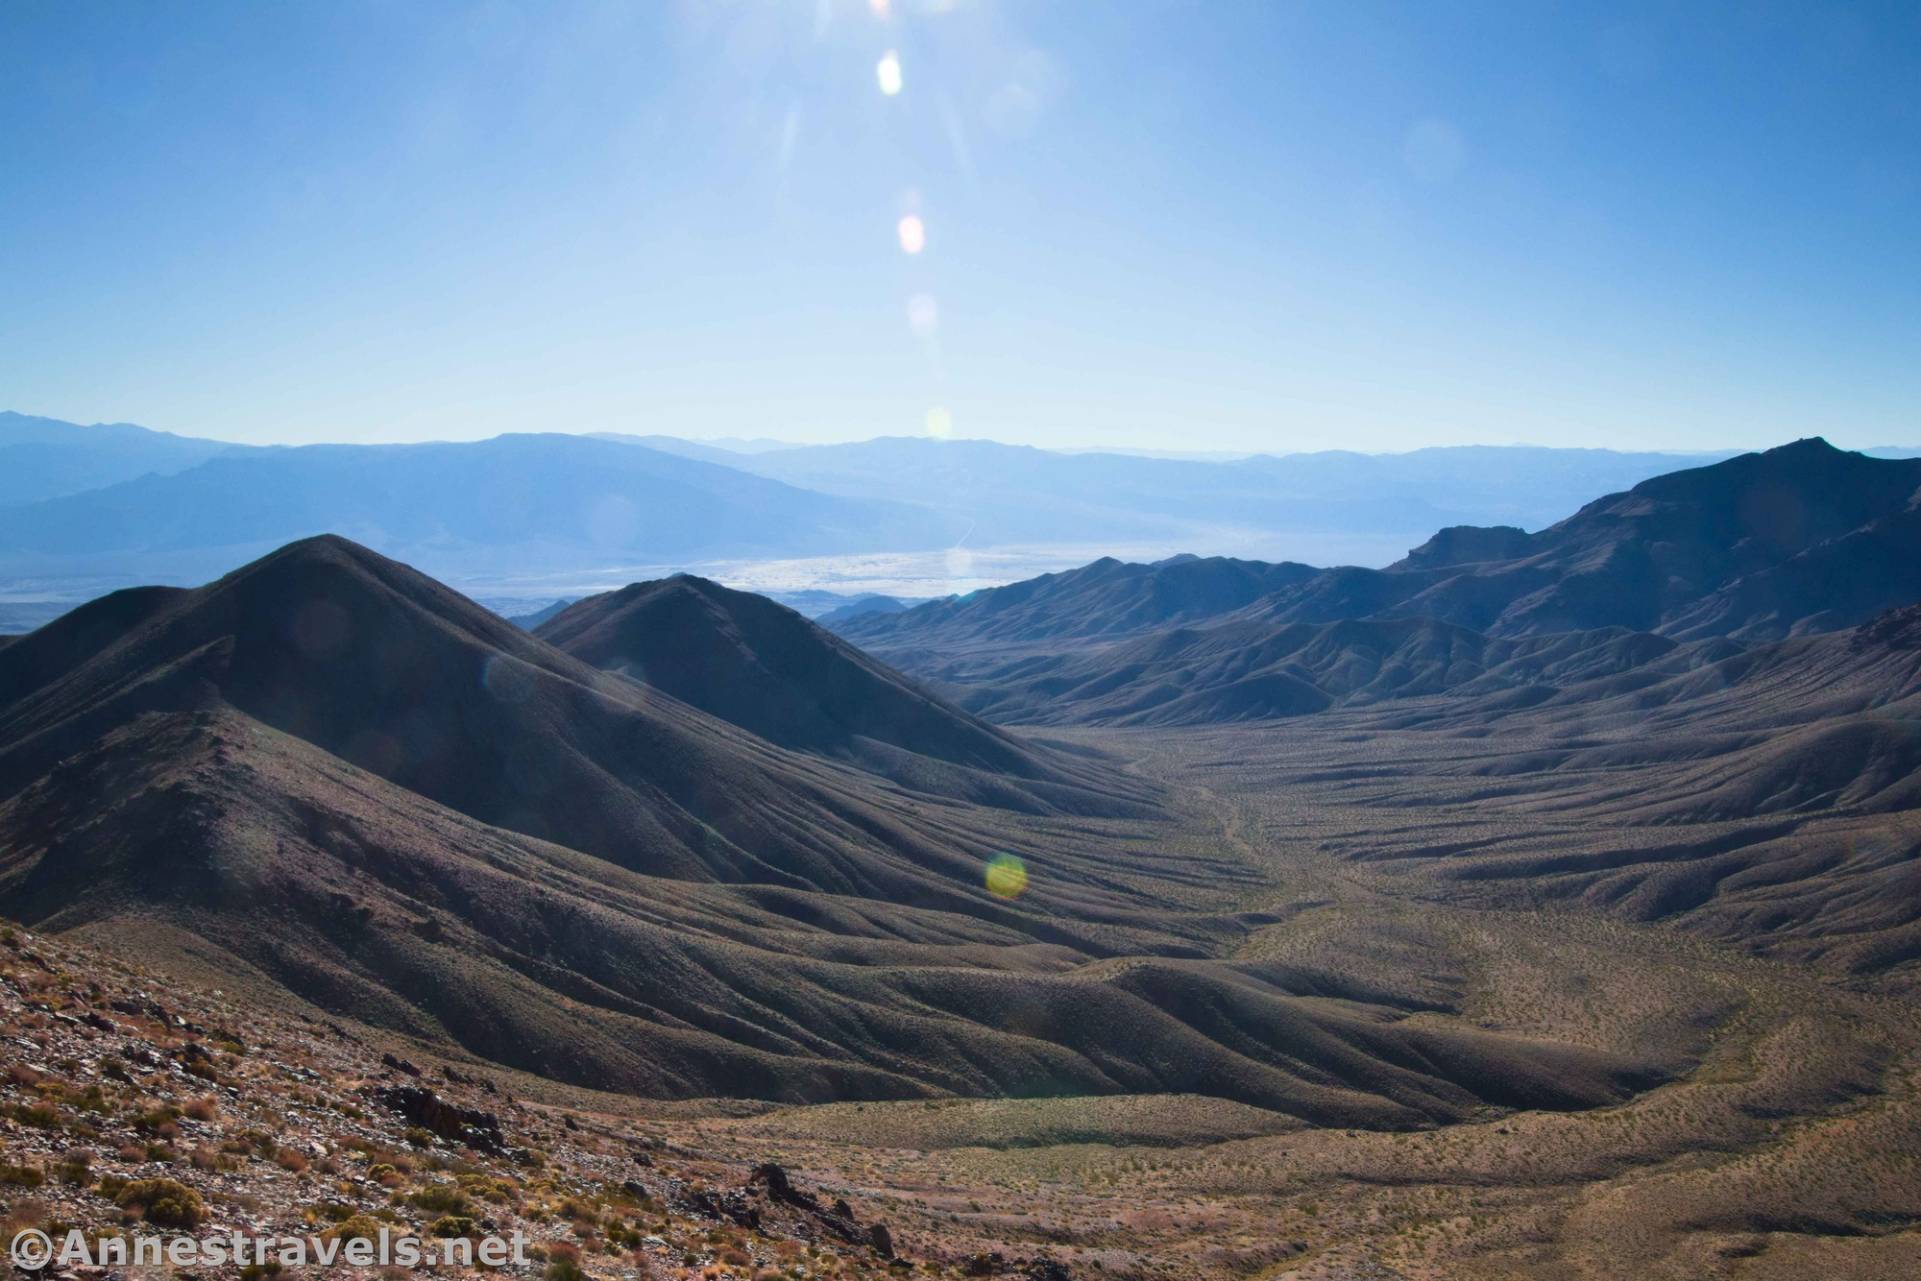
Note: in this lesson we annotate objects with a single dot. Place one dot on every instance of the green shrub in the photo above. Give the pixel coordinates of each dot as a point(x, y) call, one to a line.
point(169, 1203)
point(441, 1198)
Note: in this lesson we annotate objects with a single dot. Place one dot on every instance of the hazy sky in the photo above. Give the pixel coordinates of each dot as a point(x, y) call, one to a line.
point(1234, 225)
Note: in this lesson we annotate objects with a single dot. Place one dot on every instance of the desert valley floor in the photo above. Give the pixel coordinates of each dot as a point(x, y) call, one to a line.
point(1780, 1134)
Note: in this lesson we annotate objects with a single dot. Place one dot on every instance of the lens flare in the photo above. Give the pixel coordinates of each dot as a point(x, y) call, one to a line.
point(887, 73)
point(1006, 876)
point(913, 234)
point(940, 423)
point(923, 315)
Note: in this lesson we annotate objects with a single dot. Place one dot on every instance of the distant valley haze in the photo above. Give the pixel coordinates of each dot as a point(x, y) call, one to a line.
point(521, 520)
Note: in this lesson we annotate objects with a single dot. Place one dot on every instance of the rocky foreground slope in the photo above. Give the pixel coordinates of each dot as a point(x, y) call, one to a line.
point(133, 1105)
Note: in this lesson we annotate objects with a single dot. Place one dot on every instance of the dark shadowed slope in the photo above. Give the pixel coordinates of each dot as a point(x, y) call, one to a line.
point(1248, 670)
point(1801, 539)
point(380, 665)
point(763, 667)
point(1103, 600)
point(376, 794)
point(1798, 538)
point(1650, 559)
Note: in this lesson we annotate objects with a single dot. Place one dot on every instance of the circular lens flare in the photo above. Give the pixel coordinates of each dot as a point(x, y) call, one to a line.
point(940, 423)
point(913, 234)
point(1006, 877)
point(887, 73)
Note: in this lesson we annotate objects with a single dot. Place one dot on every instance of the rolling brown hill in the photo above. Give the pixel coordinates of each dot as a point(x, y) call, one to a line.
point(765, 668)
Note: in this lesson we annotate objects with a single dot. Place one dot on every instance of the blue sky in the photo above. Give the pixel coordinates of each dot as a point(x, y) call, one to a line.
point(1234, 225)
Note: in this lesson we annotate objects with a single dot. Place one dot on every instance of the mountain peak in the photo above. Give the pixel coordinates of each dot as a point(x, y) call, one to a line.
point(757, 664)
point(1806, 447)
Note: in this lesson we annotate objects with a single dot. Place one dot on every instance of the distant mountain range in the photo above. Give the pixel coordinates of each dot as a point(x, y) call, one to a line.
point(1801, 539)
point(486, 506)
point(45, 458)
point(121, 503)
point(1010, 494)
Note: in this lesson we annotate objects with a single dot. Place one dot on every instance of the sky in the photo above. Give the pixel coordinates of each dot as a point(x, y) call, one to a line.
point(1240, 225)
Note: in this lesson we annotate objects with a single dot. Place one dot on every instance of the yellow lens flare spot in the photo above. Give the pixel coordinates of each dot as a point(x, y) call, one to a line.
point(913, 234)
point(940, 423)
point(887, 73)
point(1006, 876)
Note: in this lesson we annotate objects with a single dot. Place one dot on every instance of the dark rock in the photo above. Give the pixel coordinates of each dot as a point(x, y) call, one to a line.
point(422, 1107)
point(775, 1177)
point(398, 1065)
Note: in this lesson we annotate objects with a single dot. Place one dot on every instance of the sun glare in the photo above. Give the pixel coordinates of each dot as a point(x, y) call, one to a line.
point(887, 73)
point(913, 234)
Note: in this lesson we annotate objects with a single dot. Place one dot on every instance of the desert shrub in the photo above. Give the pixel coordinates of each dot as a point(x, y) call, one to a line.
point(158, 1120)
point(440, 1198)
point(205, 1108)
point(92, 1099)
point(452, 1225)
point(22, 1176)
point(291, 1159)
point(355, 1227)
point(43, 1116)
point(166, 1202)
